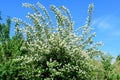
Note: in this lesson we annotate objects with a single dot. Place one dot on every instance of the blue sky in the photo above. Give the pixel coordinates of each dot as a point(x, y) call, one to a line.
point(105, 21)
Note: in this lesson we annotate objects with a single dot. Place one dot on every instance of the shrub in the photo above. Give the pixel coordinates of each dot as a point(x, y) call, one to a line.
point(53, 53)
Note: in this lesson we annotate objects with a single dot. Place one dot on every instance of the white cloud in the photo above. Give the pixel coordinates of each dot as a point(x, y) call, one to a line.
point(108, 24)
point(102, 23)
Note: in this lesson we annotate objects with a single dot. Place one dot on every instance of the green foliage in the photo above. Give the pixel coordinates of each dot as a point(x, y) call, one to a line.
point(117, 68)
point(9, 49)
point(4, 40)
point(4, 31)
point(107, 67)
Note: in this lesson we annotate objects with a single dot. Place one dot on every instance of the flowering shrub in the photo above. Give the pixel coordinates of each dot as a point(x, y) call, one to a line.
point(44, 50)
point(56, 52)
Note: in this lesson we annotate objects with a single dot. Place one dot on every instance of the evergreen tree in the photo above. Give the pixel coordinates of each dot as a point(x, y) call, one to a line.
point(9, 49)
point(4, 39)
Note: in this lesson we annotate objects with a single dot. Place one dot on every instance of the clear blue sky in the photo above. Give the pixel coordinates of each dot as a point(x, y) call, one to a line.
point(105, 21)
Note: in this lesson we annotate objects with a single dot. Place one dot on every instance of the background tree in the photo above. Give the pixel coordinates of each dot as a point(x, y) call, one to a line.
point(9, 49)
point(107, 67)
point(4, 39)
point(116, 65)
